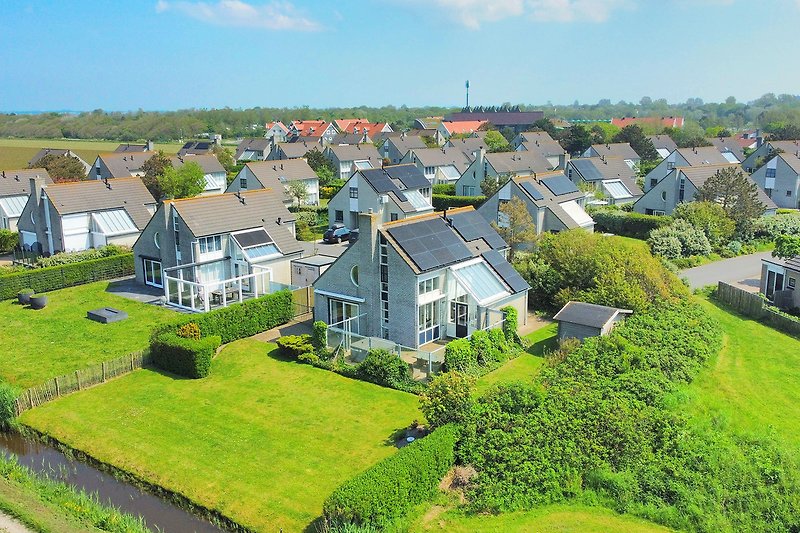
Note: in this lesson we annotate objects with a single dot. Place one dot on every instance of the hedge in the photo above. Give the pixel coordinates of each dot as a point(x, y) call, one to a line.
point(634, 225)
point(384, 494)
point(8, 240)
point(444, 201)
point(58, 277)
point(186, 357)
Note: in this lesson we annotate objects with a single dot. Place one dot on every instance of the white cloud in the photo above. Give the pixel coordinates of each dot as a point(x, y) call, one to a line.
point(474, 13)
point(273, 15)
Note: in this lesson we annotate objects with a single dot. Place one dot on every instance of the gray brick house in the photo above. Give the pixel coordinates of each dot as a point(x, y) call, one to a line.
point(418, 280)
point(348, 158)
point(440, 165)
point(119, 165)
point(15, 189)
point(211, 250)
point(392, 193)
point(766, 149)
point(780, 179)
point(684, 157)
point(501, 165)
point(278, 174)
point(610, 176)
point(623, 151)
point(395, 148)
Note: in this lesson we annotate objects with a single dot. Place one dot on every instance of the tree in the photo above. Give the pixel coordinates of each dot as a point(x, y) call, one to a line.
point(184, 182)
point(321, 166)
point(787, 246)
point(298, 191)
point(577, 140)
point(737, 195)
point(62, 168)
point(544, 124)
point(153, 170)
point(448, 398)
point(225, 157)
point(709, 217)
point(490, 185)
point(495, 142)
point(634, 136)
point(517, 228)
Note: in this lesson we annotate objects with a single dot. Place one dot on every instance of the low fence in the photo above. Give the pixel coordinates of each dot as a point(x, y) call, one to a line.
point(754, 306)
point(80, 379)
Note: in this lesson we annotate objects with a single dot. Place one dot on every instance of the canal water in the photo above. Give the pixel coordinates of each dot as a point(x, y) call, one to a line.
point(158, 513)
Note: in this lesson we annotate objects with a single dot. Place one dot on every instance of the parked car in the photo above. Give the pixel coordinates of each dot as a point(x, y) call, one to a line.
point(336, 233)
point(354, 236)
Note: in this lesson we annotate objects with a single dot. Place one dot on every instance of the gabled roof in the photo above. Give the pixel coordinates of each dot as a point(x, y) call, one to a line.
point(361, 127)
point(592, 315)
point(209, 163)
point(196, 148)
point(518, 162)
point(699, 174)
point(786, 146)
point(279, 124)
point(296, 149)
point(791, 160)
point(544, 148)
point(534, 136)
point(702, 155)
point(407, 142)
point(554, 191)
point(129, 194)
point(124, 164)
point(438, 157)
point(621, 150)
point(57, 152)
point(499, 118)
point(229, 212)
point(309, 128)
point(258, 144)
point(131, 148)
point(399, 181)
point(663, 141)
point(268, 173)
point(465, 126)
point(17, 182)
point(598, 169)
point(348, 138)
point(356, 152)
point(666, 122)
point(428, 123)
point(468, 145)
point(728, 144)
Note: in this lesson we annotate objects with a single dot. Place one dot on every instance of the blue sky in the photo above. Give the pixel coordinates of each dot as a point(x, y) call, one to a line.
point(175, 54)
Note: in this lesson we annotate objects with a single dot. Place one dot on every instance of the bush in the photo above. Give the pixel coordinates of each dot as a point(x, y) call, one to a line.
point(634, 225)
point(66, 258)
point(447, 399)
point(510, 324)
point(666, 245)
point(189, 331)
point(385, 493)
point(442, 201)
point(692, 241)
point(8, 240)
point(448, 189)
point(67, 275)
point(8, 398)
point(772, 227)
point(498, 339)
point(708, 217)
point(485, 352)
point(459, 357)
point(294, 346)
point(384, 368)
point(319, 337)
point(190, 358)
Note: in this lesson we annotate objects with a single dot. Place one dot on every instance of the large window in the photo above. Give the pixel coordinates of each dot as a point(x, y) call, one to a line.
point(428, 285)
point(353, 192)
point(210, 244)
point(152, 273)
point(770, 173)
point(429, 321)
point(344, 315)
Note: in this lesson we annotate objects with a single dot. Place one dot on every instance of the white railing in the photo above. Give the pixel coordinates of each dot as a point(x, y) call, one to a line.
point(196, 296)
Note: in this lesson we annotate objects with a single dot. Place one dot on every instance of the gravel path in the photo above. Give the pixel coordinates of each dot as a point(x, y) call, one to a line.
point(11, 525)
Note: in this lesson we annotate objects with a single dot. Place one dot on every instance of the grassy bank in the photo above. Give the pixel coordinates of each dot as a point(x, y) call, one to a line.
point(262, 440)
point(59, 339)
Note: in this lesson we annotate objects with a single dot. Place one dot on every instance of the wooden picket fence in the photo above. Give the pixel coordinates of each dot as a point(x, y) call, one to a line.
point(754, 306)
point(80, 379)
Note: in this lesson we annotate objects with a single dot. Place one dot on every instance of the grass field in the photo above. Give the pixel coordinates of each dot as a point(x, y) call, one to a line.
point(753, 385)
point(37, 515)
point(262, 440)
point(15, 153)
point(548, 519)
point(60, 339)
point(527, 365)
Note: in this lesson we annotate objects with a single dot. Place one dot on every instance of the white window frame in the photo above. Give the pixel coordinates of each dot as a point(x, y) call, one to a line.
point(149, 272)
point(210, 244)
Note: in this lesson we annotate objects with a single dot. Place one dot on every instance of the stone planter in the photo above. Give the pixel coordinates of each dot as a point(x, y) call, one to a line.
point(24, 297)
point(38, 301)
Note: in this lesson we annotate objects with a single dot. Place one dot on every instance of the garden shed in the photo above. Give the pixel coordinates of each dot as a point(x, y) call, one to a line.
point(578, 320)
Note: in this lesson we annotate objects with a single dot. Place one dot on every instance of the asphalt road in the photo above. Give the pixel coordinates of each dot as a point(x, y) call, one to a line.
point(743, 271)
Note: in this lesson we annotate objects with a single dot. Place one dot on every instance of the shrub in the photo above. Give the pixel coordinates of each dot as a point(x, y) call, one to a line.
point(710, 218)
point(442, 201)
point(498, 339)
point(510, 324)
point(189, 330)
point(384, 368)
point(448, 189)
point(295, 345)
point(666, 245)
point(384, 494)
point(185, 357)
point(319, 336)
point(481, 345)
point(68, 275)
point(8, 240)
point(692, 240)
point(8, 398)
point(448, 398)
point(772, 227)
point(66, 258)
point(459, 357)
point(634, 225)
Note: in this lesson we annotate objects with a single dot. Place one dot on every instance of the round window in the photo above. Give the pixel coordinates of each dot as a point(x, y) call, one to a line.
point(157, 240)
point(664, 195)
point(354, 275)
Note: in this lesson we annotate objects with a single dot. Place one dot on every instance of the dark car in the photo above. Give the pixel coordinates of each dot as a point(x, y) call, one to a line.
point(336, 233)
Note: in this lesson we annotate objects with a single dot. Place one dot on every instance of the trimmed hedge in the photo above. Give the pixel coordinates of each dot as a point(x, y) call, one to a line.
point(444, 201)
point(57, 277)
point(634, 225)
point(294, 346)
point(186, 357)
point(384, 494)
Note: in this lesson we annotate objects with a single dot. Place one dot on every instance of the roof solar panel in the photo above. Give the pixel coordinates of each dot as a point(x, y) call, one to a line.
point(253, 238)
point(506, 271)
point(471, 225)
point(559, 185)
point(430, 243)
point(531, 190)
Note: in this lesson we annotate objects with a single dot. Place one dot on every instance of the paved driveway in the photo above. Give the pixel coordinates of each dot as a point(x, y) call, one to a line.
point(743, 271)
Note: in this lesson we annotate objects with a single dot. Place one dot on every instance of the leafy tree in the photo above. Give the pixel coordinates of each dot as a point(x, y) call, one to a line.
point(322, 166)
point(490, 185)
point(787, 246)
point(577, 140)
point(429, 141)
point(298, 191)
point(225, 156)
point(738, 196)
point(710, 217)
point(153, 170)
point(448, 398)
point(519, 228)
point(62, 168)
point(184, 182)
point(544, 124)
point(495, 141)
point(634, 136)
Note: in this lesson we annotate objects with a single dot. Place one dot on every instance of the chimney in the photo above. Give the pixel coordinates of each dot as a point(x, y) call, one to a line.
point(281, 166)
point(36, 184)
point(562, 161)
point(150, 146)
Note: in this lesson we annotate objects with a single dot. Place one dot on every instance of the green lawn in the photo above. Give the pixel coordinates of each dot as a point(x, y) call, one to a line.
point(15, 153)
point(754, 383)
point(29, 509)
point(527, 365)
point(262, 440)
point(548, 519)
point(59, 339)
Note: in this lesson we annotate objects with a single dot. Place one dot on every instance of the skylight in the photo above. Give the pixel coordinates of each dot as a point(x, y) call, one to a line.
point(114, 222)
point(616, 189)
point(419, 202)
point(481, 282)
point(13, 205)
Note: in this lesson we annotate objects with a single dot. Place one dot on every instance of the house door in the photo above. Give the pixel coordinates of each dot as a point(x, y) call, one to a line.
point(462, 316)
point(241, 268)
point(774, 283)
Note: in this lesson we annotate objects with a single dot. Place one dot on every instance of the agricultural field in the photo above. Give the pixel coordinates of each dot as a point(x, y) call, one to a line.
point(15, 153)
point(262, 440)
point(59, 339)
